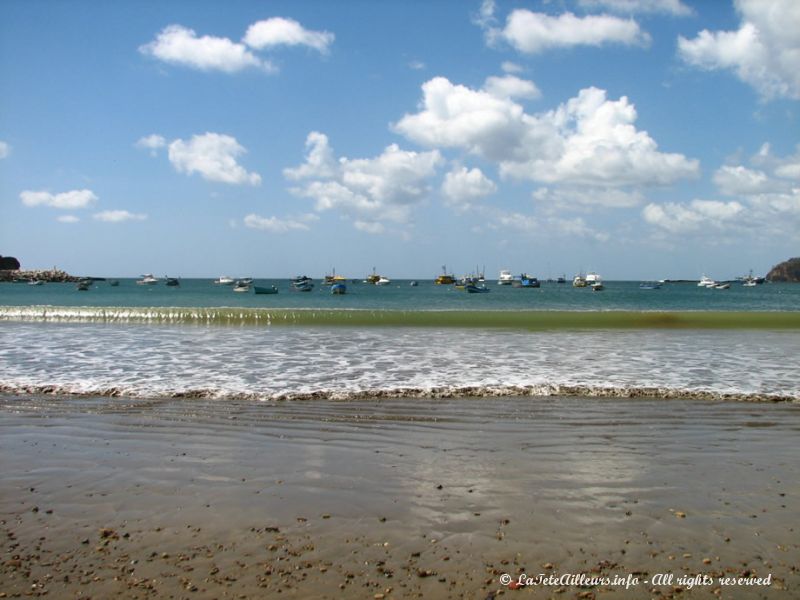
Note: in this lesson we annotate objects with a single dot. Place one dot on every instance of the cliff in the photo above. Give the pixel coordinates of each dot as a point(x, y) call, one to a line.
point(786, 271)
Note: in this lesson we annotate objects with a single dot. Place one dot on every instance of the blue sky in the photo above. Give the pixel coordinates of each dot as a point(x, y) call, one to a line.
point(637, 138)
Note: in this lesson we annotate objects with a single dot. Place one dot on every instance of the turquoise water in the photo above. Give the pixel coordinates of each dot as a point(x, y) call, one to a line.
point(618, 295)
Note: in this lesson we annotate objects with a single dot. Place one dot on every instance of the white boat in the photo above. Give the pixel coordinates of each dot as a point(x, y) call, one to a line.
point(224, 280)
point(592, 278)
point(241, 286)
point(147, 279)
point(579, 281)
point(36, 282)
point(720, 286)
point(383, 281)
point(597, 286)
point(506, 278)
point(706, 282)
point(749, 283)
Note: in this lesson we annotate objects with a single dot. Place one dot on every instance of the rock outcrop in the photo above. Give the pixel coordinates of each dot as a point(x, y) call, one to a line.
point(786, 271)
point(9, 263)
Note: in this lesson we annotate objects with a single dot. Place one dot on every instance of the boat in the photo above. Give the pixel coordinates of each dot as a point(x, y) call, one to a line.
point(338, 289)
point(302, 286)
point(373, 279)
point(649, 286)
point(300, 279)
point(749, 283)
point(113, 282)
point(147, 279)
point(383, 281)
point(224, 280)
point(265, 290)
point(597, 286)
point(561, 279)
point(333, 279)
point(592, 278)
point(413, 284)
point(171, 281)
point(476, 289)
point(526, 281)
point(241, 286)
point(83, 285)
point(445, 278)
point(579, 281)
point(706, 282)
point(36, 282)
point(720, 286)
point(506, 278)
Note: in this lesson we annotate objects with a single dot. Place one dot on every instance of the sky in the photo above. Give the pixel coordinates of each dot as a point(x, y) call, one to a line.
point(641, 139)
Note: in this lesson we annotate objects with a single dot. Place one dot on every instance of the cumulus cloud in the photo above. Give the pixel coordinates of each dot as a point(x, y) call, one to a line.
point(694, 216)
point(277, 225)
point(511, 86)
point(180, 45)
point(369, 190)
point(462, 186)
point(510, 67)
point(118, 216)
point(67, 219)
point(589, 140)
point(5, 149)
point(568, 198)
point(739, 180)
point(213, 156)
point(65, 200)
point(532, 33)
point(151, 142)
point(529, 224)
point(764, 52)
point(279, 31)
point(629, 7)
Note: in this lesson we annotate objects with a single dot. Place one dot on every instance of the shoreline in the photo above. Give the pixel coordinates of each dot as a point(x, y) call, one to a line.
point(392, 499)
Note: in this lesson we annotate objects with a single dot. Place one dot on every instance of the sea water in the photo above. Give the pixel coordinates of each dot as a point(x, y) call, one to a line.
point(205, 341)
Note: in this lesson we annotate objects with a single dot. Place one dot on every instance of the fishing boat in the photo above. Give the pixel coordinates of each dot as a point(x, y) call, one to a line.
point(303, 286)
point(338, 289)
point(300, 279)
point(526, 281)
point(241, 286)
point(561, 279)
point(650, 286)
point(224, 280)
point(445, 278)
point(592, 278)
point(413, 284)
point(476, 289)
point(265, 290)
point(706, 282)
point(720, 286)
point(172, 281)
point(597, 286)
point(579, 281)
point(383, 281)
point(373, 279)
point(83, 285)
point(506, 278)
point(36, 282)
point(334, 278)
point(147, 279)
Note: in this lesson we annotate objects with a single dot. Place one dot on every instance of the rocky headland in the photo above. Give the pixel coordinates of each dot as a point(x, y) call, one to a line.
point(787, 271)
point(10, 271)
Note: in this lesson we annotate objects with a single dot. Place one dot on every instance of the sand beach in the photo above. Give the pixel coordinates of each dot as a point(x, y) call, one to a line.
point(398, 498)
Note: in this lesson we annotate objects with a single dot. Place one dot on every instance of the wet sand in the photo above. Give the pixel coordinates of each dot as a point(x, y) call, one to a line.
point(115, 498)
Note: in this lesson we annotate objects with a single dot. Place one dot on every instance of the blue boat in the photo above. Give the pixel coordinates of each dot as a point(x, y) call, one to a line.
point(265, 290)
point(338, 288)
point(526, 281)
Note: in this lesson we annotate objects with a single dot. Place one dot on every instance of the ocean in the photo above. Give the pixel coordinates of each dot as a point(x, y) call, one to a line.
point(201, 340)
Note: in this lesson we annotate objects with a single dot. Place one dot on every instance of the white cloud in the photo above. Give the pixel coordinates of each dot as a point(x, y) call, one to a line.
point(485, 17)
point(510, 67)
point(531, 32)
point(5, 149)
point(461, 186)
point(152, 142)
point(739, 180)
point(213, 156)
point(511, 86)
point(764, 52)
point(369, 227)
point(673, 7)
point(567, 198)
point(416, 65)
point(180, 46)
point(279, 31)
point(369, 190)
point(118, 216)
point(66, 200)
point(67, 219)
point(589, 140)
point(551, 226)
point(276, 225)
point(698, 215)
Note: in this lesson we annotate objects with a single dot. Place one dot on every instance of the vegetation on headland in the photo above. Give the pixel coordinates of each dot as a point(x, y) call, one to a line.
point(495, 319)
point(787, 271)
